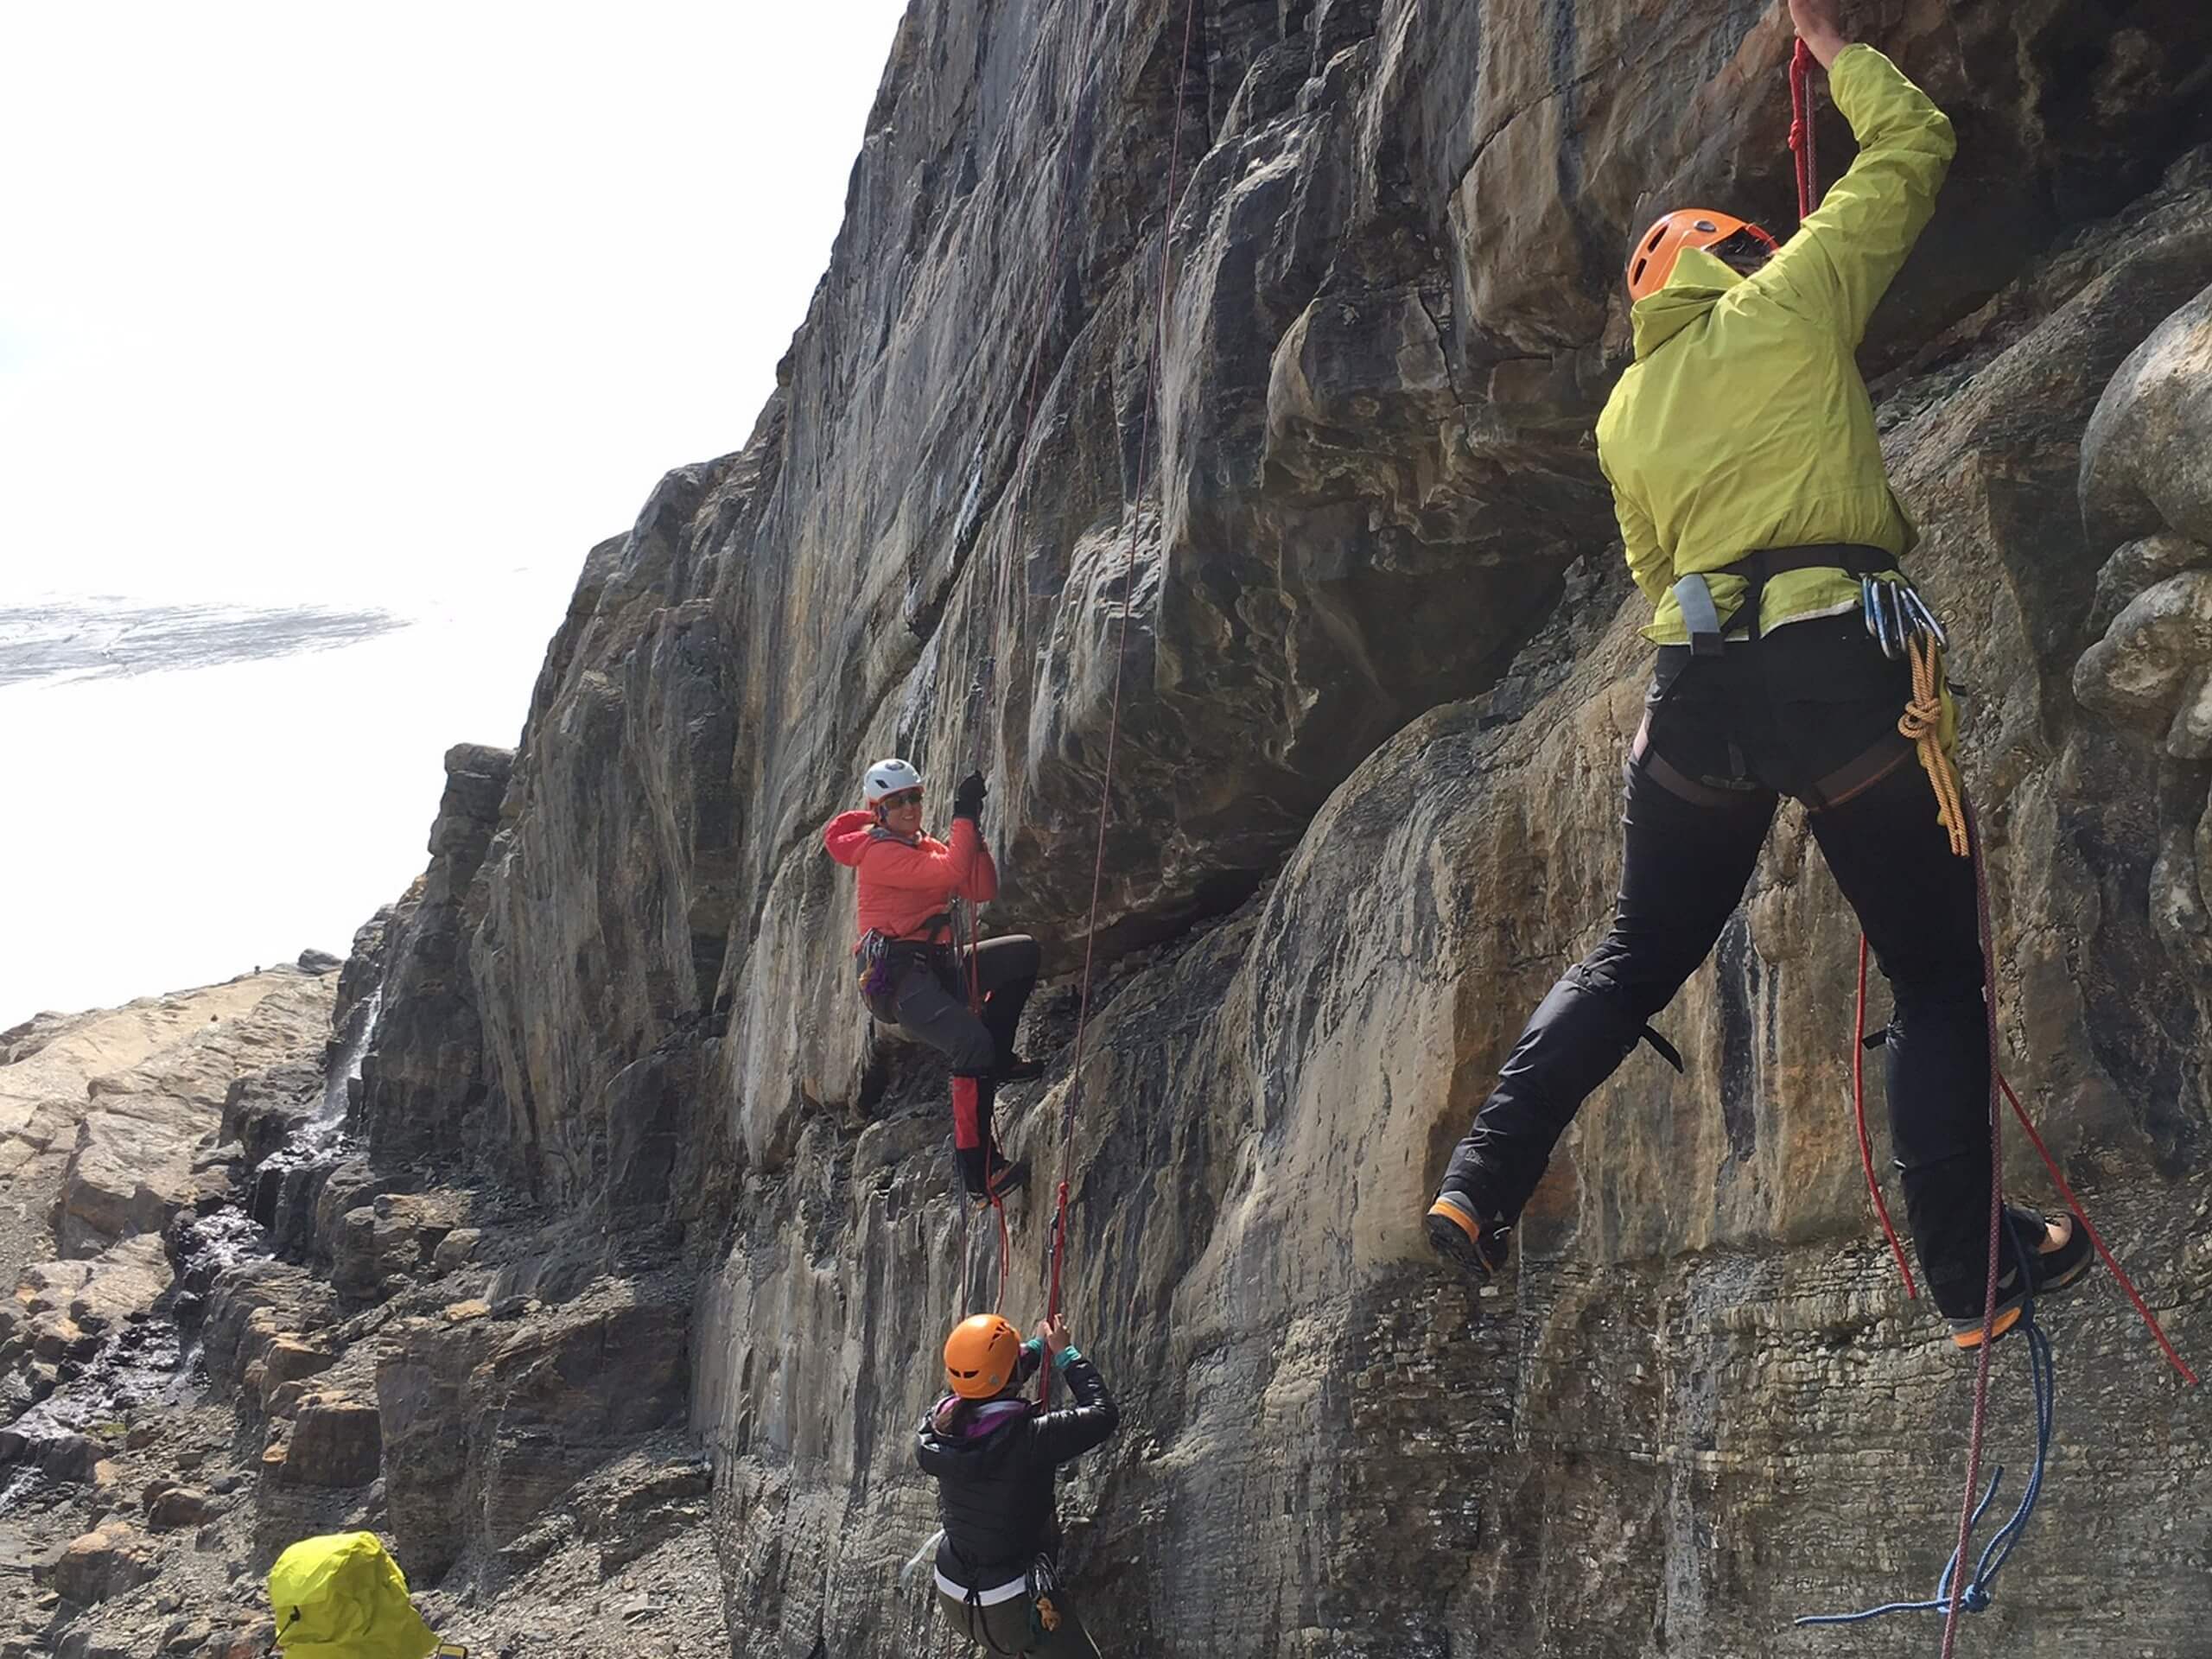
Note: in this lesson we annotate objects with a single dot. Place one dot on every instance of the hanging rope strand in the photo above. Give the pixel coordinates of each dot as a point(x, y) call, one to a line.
point(1967, 1511)
point(1866, 1146)
point(966, 918)
point(1801, 128)
point(2080, 1215)
point(1155, 357)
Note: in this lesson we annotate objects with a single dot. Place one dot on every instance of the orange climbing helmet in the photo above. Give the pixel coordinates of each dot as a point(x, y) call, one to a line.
point(1653, 260)
point(981, 1356)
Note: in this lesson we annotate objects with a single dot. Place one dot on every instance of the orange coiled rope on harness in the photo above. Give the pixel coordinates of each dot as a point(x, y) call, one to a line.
point(1923, 723)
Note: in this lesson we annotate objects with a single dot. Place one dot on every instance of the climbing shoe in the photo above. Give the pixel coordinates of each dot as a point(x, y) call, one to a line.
point(1016, 1069)
point(1006, 1178)
point(2050, 1270)
point(1474, 1243)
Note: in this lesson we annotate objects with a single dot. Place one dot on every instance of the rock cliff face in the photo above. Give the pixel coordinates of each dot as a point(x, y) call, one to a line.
point(1380, 670)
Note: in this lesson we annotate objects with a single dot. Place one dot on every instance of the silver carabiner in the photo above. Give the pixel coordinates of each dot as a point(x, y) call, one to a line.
point(1885, 621)
point(1924, 614)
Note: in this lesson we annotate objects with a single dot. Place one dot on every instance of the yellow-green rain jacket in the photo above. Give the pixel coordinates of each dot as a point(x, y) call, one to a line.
point(341, 1597)
point(1742, 424)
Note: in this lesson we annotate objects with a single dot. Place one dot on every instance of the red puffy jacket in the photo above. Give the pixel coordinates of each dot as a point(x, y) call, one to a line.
point(903, 884)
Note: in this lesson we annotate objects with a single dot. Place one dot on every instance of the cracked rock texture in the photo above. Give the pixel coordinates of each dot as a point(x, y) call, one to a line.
point(1379, 672)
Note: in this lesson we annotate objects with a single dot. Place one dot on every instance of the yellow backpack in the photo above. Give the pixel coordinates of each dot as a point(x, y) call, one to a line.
point(342, 1597)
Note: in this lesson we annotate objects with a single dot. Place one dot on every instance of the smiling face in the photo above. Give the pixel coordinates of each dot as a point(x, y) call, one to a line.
point(902, 813)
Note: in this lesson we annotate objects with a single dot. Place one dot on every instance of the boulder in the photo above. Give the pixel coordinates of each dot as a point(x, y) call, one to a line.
point(124, 1281)
point(389, 1239)
point(180, 1506)
point(106, 1561)
point(337, 1441)
point(131, 1169)
point(457, 1249)
point(59, 1454)
point(289, 1358)
point(2146, 464)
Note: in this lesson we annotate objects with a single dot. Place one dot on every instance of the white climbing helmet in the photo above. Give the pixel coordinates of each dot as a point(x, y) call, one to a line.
point(889, 777)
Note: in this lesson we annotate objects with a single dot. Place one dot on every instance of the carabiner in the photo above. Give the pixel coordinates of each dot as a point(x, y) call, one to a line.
point(1925, 615)
point(1889, 627)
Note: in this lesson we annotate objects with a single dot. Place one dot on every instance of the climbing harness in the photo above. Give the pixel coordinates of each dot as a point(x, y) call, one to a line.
point(1120, 658)
point(1701, 616)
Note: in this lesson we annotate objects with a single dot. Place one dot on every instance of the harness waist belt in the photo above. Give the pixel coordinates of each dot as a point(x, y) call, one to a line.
point(1695, 595)
point(982, 1598)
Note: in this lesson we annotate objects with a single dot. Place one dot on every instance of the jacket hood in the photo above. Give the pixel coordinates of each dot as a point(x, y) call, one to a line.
point(982, 1419)
point(849, 835)
point(978, 1444)
point(340, 1597)
point(1695, 286)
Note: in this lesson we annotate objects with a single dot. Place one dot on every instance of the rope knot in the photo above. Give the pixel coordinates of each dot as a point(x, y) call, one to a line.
point(1975, 1600)
point(1923, 717)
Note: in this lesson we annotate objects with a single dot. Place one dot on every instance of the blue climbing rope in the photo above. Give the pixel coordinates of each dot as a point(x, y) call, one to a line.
point(2043, 1375)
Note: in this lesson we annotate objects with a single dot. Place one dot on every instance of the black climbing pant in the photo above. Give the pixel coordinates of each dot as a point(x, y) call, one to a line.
point(929, 1000)
point(1012, 1626)
point(1811, 710)
point(929, 1003)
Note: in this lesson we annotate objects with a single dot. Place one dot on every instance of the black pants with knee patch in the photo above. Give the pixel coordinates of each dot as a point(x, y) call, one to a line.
point(1774, 716)
point(929, 1003)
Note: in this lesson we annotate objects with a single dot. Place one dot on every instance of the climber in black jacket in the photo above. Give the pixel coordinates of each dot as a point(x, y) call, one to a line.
point(993, 1453)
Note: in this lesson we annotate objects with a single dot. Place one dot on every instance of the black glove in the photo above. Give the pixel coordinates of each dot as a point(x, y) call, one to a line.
point(968, 798)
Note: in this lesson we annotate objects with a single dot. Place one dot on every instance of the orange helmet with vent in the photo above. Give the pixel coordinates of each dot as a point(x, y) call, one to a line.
point(1733, 240)
point(981, 1356)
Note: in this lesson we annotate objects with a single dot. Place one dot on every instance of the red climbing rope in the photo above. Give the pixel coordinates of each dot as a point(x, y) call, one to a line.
point(1865, 1147)
point(967, 919)
point(2089, 1227)
point(1801, 128)
point(1121, 656)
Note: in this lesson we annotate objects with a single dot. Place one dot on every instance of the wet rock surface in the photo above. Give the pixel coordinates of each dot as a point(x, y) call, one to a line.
point(185, 1403)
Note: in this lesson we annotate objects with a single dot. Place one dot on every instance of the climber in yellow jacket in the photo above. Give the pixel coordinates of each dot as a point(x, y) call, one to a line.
point(341, 1597)
point(1758, 519)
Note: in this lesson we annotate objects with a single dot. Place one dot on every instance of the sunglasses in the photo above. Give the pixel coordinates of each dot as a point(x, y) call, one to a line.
point(904, 798)
point(1749, 248)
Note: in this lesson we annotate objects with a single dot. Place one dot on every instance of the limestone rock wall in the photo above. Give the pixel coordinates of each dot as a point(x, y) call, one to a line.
point(1381, 668)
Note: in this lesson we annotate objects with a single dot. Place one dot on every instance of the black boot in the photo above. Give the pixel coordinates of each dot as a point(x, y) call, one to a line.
point(2049, 1269)
point(1476, 1242)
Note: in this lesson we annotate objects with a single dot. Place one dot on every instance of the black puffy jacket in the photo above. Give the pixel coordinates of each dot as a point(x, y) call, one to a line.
point(995, 1490)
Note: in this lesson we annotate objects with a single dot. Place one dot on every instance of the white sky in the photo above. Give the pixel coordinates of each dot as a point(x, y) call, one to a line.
point(319, 301)
point(400, 306)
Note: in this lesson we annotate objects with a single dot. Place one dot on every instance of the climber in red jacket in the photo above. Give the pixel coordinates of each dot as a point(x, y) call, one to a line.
point(912, 976)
